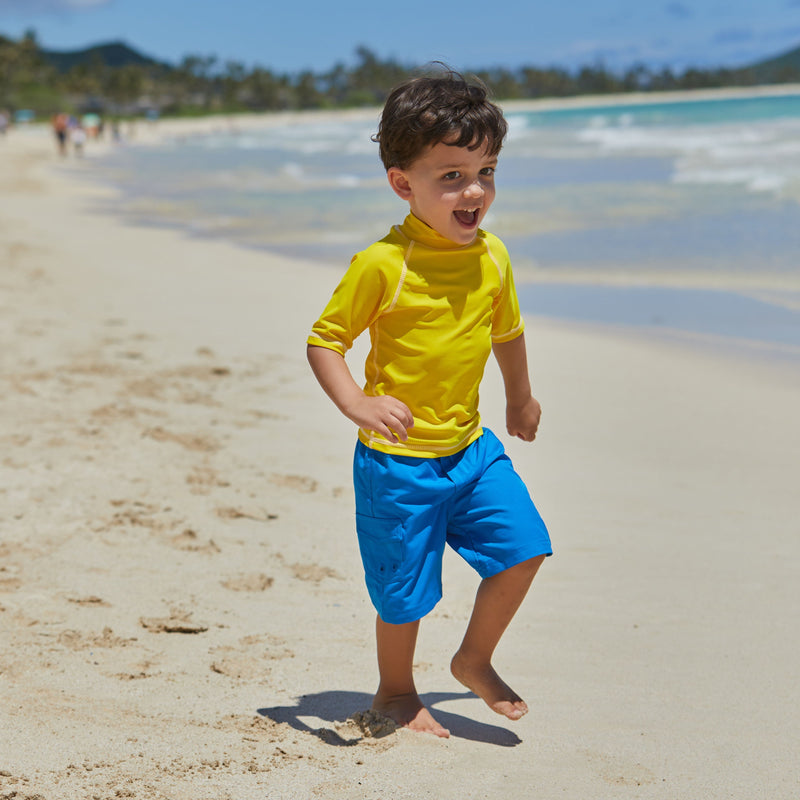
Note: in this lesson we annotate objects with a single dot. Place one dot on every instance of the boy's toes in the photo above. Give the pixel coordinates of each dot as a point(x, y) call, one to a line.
point(488, 685)
point(512, 710)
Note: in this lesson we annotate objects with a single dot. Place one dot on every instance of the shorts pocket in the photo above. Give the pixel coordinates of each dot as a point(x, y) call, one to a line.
point(382, 544)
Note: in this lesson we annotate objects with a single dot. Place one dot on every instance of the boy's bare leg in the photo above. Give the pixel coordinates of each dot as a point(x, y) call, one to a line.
point(496, 602)
point(397, 696)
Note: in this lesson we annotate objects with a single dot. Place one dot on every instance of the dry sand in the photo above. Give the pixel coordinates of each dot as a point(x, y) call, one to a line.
point(182, 612)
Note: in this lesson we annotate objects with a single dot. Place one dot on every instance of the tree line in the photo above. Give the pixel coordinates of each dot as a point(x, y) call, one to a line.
point(201, 84)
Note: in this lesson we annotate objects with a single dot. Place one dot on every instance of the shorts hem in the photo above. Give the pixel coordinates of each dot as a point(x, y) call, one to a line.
point(410, 615)
point(497, 568)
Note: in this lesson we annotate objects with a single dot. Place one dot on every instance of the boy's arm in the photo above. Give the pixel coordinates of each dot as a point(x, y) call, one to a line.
point(522, 409)
point(385, 415)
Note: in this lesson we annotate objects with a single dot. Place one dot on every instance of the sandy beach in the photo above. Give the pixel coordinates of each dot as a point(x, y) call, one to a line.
point(182, 610)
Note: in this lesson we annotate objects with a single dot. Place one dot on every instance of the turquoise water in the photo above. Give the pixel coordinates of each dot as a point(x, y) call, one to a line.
point(698, 196)
point(680, 112)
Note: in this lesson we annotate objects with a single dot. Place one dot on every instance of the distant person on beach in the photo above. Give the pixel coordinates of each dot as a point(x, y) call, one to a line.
point(60, 123)
point(437, 295)
point(77, 135)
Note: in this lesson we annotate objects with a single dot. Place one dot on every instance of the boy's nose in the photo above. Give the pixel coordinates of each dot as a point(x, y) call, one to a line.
point(474, 190)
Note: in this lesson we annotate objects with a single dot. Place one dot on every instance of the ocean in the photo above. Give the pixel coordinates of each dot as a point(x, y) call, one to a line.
point(667, 214)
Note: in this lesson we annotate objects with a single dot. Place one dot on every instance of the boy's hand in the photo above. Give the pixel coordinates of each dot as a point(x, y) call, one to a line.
point(386, 415)
point(522, 409)
point(522, 420)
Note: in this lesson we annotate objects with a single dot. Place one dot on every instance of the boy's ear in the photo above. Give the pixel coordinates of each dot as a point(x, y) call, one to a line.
point(399, 182)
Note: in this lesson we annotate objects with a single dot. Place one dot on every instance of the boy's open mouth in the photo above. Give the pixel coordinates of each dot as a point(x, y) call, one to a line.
point(466, 217)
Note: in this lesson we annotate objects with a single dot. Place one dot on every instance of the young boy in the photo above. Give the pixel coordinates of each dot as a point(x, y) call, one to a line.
point(437, 295)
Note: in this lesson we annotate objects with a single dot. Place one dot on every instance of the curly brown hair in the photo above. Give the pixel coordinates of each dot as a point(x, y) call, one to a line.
point(443, 107)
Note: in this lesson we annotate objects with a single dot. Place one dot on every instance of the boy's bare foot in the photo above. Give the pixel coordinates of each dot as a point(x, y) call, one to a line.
point(408, 712)
point(489, 686)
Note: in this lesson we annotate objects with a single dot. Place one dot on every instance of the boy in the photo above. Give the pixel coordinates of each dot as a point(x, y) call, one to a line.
point(437, 295)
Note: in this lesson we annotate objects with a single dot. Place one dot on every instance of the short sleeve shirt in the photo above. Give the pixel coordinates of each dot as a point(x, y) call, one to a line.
point(433, 309)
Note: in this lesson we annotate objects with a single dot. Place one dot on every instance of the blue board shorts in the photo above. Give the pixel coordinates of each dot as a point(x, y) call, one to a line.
point(408, 508)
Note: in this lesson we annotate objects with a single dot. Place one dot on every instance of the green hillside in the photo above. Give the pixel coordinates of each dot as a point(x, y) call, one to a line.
point(112, 54)
point(121, 80)
point(779, 69)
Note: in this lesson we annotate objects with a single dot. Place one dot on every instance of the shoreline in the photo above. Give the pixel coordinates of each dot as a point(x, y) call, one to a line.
point(652, 98)
point(182, 606)
point(782, 291)
point(181, 126)
point(749, 283)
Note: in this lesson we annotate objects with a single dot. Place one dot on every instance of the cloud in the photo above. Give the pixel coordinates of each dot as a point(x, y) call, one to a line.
point(678, 10)
point(44, 6)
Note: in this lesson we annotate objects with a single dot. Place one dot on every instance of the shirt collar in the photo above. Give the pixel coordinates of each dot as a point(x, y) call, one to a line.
point(414, 228)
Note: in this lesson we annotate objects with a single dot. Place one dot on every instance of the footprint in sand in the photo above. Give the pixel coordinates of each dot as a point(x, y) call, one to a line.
point(309, 572)
point(195, 442)
point(249, 583)
point(200, 372)
point(75, 640)
point(20, 785)
point(114, 412)
point(91, 366)
point(258, 729)
point(9, 573)
point(242, 512)
point(138, 671)
point(176, 622)
point(299, 483)
point(8, 583)
point(133, 513)
point(16, 439)
point(19, 386)
point(189, 540)
point(202, 479)
point(188, 384)
point(132, 355)
point(249, 660)
point(91, 600)
point(147, 388)
point(313, 572)
point(238, 666)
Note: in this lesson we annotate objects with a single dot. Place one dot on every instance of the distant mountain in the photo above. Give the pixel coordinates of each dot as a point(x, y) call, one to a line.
point(782, 68)
point(778, 69)
point(112, 54)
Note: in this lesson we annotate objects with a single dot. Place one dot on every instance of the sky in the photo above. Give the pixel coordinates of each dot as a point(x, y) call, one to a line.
point(293, 36)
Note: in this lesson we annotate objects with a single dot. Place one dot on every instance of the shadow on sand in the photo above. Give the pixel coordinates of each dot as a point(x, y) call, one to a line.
point(337, 706)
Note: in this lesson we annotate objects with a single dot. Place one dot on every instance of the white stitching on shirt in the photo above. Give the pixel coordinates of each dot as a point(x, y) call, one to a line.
point(497, 266)
point(402, 279)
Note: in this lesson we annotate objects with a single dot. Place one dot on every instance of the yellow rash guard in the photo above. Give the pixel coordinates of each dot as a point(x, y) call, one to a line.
point(433, 308)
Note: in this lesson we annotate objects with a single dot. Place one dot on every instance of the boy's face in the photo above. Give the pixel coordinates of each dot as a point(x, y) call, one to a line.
point(449, 188)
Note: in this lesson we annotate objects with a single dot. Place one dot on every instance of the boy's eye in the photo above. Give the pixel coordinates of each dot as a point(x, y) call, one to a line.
point(451, 176)
point(487, 171)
